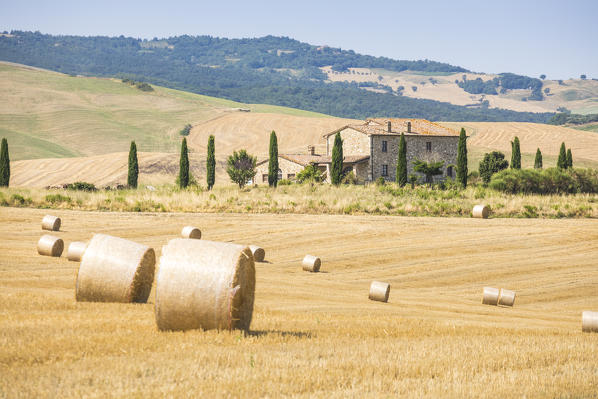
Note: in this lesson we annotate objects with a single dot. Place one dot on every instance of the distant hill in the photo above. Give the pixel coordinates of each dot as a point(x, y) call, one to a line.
point(271, 70)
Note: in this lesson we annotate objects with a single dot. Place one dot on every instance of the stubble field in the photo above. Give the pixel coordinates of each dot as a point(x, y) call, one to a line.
point(315, 335)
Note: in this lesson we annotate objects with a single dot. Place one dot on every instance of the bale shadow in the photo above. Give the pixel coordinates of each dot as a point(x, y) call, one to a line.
point(297, 334)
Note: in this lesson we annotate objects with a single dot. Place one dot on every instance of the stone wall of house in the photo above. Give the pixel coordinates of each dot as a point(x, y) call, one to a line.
point(443, 148)
point(289, 170)
point(354, 143)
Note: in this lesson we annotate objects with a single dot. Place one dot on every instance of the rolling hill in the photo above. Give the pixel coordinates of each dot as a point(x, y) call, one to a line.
point(63, 129)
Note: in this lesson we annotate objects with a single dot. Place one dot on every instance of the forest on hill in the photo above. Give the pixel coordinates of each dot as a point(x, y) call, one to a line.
point(269, 70)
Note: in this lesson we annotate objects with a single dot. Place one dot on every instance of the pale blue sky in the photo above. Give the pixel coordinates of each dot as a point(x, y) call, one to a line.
point(557, 38)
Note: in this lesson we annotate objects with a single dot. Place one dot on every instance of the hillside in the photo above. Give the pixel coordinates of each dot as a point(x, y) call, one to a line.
point(270, 70)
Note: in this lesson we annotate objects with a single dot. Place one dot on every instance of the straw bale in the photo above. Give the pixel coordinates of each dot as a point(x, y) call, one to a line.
point(204, 284)
point(51, 223)
point(311, 263)
point(75, 251)
point(115, 270)
point(258, 253)
point(50, 245)
point(507, 297)
point(589, 321)
point(191, 232)
point(490, 296)
point(379, 291)
point(481, 211)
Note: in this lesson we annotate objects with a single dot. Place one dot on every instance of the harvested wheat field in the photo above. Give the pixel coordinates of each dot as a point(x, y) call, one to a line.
point(315, 334)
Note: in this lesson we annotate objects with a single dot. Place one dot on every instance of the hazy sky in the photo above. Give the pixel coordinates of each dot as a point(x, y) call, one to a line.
point(557, 38)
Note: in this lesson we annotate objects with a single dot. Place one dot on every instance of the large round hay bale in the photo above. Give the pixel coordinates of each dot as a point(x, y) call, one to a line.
point(204, 284)
point(50, 245)
point(481, 211)
point(191, 232)
point(490, 296)
point(379, 291)
point(258, 253)
point(589, 321)
point(51, 223)
point(76, 250)
point(507, 297)
point(115, 270)
point(311, 263)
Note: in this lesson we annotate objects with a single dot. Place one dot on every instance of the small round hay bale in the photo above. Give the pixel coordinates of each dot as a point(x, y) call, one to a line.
point(379, 291)
point(204, 284)
point(191, 232)
point(75, 251)
point(258, 253)
point(481, 211)
point(589, 321)
point(50, 246)
point(51, 223)
point(507, 297)
point(115, 270)
point(490, 296)
point(311, 263)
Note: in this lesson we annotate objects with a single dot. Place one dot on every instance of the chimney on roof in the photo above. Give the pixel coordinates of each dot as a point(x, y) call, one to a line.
point(311, 150)
point(389, 127)
point(408, 127)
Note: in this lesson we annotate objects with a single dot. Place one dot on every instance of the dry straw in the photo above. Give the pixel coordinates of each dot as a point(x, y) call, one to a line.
point(490, 296)
point(379, 291)
point(481, 211)
point(507, 297)
point(191, 232)
point(50, 245)
point(311, 263)
point(258, 253)
point(204, 284)
point(589, 321)
point(76, 250)
point(115, 270)
point(51, 223)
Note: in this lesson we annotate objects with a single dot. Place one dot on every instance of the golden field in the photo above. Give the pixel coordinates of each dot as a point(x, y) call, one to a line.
point(315, 335)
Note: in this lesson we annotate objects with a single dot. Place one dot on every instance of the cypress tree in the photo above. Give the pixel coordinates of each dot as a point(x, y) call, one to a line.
point(133, 166)
point(569, 158)
point(336, 168)
point(561, 163)
point(273, 163)
point(211, 163)
point(4, 164)
point(402, 162)
point(538, 160)
point(184, 166)
point(462, 159)
point(516, 154)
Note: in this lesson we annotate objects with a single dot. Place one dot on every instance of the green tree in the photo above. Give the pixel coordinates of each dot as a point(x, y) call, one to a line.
point(184, 166)
point(402, 162)
point(4, 164)
point(542, 76)
point(273, 162)
point(428, 169)
point(336, 168)
point(538, 160)
point(492, 163)
point(211, 163)
point(462, 159)
point(569, 158)
point(311, 173)
point(515, 154)
point(133, 166)
point(241, 167)
point(561, 162)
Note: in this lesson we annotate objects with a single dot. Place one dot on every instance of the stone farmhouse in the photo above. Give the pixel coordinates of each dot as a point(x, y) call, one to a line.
point(370, 150)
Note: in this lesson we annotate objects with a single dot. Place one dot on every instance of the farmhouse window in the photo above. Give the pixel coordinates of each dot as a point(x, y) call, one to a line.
point(384, 145)
point(279, 176)
point(449, 171)
point(265, 178)
point(384, 170)
point(291, 176)
point(429, 146)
